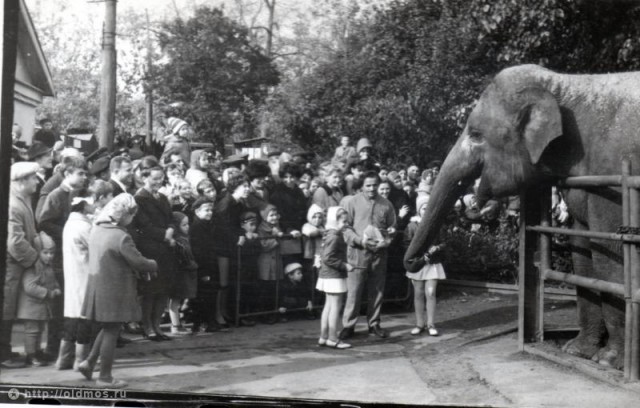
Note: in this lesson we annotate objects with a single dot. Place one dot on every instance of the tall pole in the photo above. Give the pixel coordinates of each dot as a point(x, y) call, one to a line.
point(149, 87)
point(108, 90)
point(9, 16)
point(271, 5)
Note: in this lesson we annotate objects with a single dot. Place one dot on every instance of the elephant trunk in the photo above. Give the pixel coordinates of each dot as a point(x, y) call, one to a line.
point(459, 170)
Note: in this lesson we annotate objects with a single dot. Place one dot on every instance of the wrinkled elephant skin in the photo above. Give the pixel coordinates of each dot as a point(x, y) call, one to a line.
point(529, 125)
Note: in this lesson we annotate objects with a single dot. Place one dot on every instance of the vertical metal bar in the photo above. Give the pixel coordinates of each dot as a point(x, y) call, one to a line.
point(545, 259)
point(634, 272)
point(528, 274)
point(626, 248)
point(239, 271)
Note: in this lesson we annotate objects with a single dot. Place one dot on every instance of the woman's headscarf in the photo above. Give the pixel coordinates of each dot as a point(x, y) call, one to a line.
point(120, 206)
point(195, 159)
point(333, 213)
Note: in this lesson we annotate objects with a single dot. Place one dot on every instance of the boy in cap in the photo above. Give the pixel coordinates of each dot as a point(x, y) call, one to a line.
point(294, 294)
point(250, 250)
point(21, 253)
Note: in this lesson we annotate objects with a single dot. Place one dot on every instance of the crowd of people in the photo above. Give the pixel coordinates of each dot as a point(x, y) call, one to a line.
point(102, 243)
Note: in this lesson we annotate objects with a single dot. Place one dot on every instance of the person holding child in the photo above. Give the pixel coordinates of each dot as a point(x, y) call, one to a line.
point(38, 289)
point(333, 278)
point(425, 281)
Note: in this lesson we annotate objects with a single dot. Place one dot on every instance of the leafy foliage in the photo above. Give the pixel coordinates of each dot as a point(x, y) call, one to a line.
point(213, 69)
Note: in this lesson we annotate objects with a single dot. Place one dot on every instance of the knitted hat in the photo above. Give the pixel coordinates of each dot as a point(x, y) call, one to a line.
point(292, 267)
point(362, 143)
point(43, 241)
point(313, 210)
point(21, 170)
point(332, 217)
point(37, 149)
point(176, 124)
point(264, 213)
point(423, 199)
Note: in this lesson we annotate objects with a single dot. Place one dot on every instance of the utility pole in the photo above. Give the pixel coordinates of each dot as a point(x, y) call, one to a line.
point(108, 81)
point(149, 87)
point(271, 5)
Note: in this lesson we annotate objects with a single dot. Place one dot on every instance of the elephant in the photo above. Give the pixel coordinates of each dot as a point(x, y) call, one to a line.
point(532, 125)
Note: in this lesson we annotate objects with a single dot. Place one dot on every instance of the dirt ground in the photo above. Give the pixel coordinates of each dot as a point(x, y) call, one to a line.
point(475, 362)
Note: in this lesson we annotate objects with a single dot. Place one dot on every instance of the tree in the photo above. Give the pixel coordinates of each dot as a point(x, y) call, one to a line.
point(215, 71)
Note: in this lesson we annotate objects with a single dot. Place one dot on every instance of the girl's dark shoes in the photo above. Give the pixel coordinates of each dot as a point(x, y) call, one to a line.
point(35, 361)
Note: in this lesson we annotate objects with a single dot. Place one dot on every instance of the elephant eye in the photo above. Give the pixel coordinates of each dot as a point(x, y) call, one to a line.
point(475, 136)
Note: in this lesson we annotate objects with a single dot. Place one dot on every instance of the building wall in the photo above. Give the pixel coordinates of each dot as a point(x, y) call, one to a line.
point(26, 99)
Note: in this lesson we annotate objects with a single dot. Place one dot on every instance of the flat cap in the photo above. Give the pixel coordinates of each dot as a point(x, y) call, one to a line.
point(23, 169)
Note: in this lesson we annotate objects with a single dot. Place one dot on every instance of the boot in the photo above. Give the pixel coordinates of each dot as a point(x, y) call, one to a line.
point(82, 351)
point(65, 356)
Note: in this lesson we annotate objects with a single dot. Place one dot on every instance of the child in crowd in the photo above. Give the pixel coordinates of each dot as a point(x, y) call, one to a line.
point(174, 175)
point(333, 277)
point(269, 260)
point(312, 232)
point(39, 287)
point(304, 186)
point(201, 234)
point(177, 140)
point(184, 200)
point(207, 189)
point(294, 293)
point(186, 277)
point(250, 251)
point(426, 279)
point(77, 331)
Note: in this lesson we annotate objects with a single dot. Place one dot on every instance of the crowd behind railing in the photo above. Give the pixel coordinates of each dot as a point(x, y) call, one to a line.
point(122, 240)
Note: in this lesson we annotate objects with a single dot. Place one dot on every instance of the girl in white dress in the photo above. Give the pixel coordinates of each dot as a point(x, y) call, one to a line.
point(425, 281)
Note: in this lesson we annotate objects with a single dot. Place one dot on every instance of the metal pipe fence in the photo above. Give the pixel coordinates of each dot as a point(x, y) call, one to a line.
point(311, 281)
point(537, 238)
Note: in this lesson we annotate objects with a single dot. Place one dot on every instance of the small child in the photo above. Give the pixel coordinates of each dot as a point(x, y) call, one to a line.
point(426, 279)
point(39, 287)
point(269, 260)
point(185, 283)
point(207, 189)
point(294, 294)
point(177, 140)
point(312, 232)
point(333, 277)
point(250, 250)
point(184, 200)
point(201, 234)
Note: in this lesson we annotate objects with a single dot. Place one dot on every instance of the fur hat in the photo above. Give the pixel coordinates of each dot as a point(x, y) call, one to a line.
point(175, 124)
point(257, 169)
point(37, 149)
point(292, 267)
point(21, 170)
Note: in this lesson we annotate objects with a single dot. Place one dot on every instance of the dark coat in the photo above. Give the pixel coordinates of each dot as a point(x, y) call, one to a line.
point(50, 185)
point(115, 263)
point(292, 206)
point(150, 224)
point(226, 218)
point(334, 256)
point(202, 243)
point(116, 188)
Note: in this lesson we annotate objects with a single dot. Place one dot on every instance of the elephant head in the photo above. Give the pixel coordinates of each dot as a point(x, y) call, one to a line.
point(502, 143)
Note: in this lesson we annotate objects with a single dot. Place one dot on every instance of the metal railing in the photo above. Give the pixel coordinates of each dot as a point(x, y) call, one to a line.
point(535, 206)
point(312, 282)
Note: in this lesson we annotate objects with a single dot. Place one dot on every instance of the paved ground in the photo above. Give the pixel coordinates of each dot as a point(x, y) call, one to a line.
point(283, 361)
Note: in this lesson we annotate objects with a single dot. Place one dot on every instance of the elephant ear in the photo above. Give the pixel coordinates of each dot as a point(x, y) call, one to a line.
point(539, 120)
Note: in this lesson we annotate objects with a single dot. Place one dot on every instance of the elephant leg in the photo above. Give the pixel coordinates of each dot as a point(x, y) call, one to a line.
point(608, 266)
point(590, 321)
point(612, 355)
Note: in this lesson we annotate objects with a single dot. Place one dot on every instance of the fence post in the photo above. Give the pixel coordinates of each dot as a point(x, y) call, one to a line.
point(529, 317)
point(634, 272)
point(544, 241)
point(627, 267)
